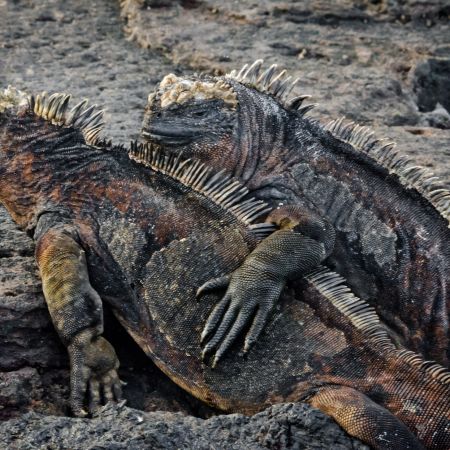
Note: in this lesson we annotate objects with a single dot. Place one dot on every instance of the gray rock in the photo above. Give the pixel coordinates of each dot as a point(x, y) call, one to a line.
point(439, 117)
point(287, 426)
point(431, 84)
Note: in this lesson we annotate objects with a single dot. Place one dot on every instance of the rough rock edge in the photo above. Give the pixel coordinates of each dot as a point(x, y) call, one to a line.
point(118, 427)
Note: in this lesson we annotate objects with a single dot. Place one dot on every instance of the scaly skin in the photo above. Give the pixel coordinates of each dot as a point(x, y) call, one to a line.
point(392, 244)
point(108, 229)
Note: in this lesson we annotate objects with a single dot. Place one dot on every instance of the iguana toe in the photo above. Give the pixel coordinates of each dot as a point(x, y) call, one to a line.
point(108, 393)
point(215, 283)
point(239, 324)
point(79, 378)
point(256, 328)
point(214, 318)
point(113, 390)
point(94, 395)
point(221, 331)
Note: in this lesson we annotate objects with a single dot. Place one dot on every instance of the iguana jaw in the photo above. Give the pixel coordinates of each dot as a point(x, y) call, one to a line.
point(164, 136)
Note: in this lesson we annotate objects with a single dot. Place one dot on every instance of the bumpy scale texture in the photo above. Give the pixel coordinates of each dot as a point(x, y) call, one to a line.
point(390, 217)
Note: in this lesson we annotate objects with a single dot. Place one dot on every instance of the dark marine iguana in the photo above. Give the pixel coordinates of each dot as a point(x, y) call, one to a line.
point(142, 231)
point(390, 217)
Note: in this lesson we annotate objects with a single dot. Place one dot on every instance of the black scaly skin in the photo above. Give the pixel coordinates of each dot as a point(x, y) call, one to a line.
point(391, 243)
point(97, 217)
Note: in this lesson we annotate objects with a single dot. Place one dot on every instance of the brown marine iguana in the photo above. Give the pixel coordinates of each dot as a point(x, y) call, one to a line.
point(97, 217)
point(390, 217)
point(145, 238)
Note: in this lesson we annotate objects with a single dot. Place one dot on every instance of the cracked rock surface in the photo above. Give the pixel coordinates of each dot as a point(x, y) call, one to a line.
point(381, 63)
point(118, 427)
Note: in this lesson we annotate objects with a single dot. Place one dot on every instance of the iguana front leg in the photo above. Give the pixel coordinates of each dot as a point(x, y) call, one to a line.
point(302, 242)
point(76, 311)
point(364, 419)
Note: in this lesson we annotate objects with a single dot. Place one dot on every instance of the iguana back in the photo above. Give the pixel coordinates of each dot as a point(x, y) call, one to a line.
point(320, 335)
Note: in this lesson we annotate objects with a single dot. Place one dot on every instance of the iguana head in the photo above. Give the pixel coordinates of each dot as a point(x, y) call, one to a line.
point(231, 122)
point(193, 115)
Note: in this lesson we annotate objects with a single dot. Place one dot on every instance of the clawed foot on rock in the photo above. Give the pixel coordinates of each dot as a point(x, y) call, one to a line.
point(94, 380)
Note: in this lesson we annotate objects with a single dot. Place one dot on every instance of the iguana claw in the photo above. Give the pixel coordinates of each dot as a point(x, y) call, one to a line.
point(249, 299)
point(215, 283)
point(255, 287)
point(214, 318)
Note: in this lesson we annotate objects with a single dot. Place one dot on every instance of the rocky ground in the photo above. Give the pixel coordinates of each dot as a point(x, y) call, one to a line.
point(381, 63)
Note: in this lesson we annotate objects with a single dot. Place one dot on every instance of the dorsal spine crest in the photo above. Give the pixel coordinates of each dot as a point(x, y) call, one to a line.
point(54, 109)
point(410, 175)
point(222, 189)
point(364, 317)
point(361, 138)
point(276, 84)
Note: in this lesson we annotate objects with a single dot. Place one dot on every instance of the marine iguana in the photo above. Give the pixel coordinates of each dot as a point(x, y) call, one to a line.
point(142, 231)
point(97, 216)
point(390, 217)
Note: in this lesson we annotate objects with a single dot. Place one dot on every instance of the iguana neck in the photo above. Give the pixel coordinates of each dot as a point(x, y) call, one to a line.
point(268, 141)
point(258, 148)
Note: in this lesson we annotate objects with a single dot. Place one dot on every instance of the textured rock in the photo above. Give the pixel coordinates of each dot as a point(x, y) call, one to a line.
point(380, 63)
point(288, 426)
point(431, 83)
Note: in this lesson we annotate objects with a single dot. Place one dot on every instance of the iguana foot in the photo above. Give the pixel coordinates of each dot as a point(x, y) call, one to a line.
point(250, 298)
point(303, 241)
point(94, 380)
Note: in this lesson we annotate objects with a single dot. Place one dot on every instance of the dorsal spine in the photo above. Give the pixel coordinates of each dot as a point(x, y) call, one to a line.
point(411, 176)
point(54, 108)
point(384, 153)
point(220, 188)
point(364, 317)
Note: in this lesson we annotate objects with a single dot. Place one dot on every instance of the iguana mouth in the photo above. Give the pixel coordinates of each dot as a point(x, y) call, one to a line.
point(164, 139)
point(172, 136)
